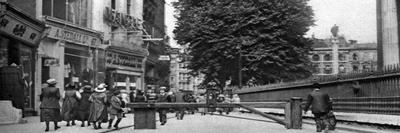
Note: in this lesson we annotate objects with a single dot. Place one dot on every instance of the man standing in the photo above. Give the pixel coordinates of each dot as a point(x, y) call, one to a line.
point(320, 107)
point(162, 97)
point(180, 112)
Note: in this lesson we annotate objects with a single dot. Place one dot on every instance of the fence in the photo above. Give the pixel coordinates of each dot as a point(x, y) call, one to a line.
point(375, 92)
point(373, 105)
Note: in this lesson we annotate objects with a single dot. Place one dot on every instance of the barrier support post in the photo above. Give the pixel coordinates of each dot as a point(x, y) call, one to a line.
point(293, 114)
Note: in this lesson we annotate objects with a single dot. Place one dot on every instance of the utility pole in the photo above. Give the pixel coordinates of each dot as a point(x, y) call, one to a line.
point(240, 67)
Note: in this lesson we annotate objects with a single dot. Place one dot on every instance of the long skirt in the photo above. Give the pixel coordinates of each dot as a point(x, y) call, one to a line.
point(68, 110)
point(82, 115)
point(50, 115)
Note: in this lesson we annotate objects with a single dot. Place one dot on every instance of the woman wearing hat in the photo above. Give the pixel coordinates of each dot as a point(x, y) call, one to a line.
point(98, 109)
point(50, 107)
point(70, 102)
point(84, 105)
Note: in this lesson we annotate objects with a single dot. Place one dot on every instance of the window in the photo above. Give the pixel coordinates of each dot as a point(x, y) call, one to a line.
point(327, 57)
point(328, 69)
point(342, 57)
point(315, 57)
point(75, 11)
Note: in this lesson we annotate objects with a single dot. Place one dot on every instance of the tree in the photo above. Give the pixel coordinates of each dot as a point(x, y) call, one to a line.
point(267, 35)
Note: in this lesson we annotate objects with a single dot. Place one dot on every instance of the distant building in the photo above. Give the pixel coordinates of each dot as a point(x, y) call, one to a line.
point(353, 56)
point(180, 79)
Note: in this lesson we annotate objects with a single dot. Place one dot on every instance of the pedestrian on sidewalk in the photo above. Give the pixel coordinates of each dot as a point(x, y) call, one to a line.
point(70, 104)
point(50, 106)
point(320, 107)
point(180, 112)
point(84, 105)
point(115, 109)
point(98, 108)
point(161, 98)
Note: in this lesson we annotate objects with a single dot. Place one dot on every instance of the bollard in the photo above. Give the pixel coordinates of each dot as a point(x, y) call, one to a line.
point(293, 114)
point(145, 118)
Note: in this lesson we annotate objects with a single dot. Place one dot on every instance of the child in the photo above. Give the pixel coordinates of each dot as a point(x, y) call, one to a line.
point(115, 109)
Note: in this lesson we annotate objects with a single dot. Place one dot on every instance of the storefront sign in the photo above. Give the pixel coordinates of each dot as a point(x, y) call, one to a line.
point(51, 62)
point(19, 29)
point(123, 20)
point(125, 61)
point(73, 36)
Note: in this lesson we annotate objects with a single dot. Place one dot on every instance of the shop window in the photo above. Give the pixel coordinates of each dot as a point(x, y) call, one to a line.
point(75, 11)
point(315, 57)
point(327, 57)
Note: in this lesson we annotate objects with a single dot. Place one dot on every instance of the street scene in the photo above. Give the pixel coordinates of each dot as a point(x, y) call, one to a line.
point(200, 66)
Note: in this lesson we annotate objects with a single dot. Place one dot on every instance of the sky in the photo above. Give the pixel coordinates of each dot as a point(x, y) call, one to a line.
point(356, 19)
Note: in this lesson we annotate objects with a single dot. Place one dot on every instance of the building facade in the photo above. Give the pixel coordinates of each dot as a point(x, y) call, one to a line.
point(121, 21)
point(352, 56)
point(20, 35)
point(180, 78)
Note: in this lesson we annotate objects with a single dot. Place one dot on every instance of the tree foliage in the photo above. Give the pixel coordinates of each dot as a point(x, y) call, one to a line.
point(267, 34)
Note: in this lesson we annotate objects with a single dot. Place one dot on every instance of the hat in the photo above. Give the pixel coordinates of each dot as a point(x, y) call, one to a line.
point(163, 88)
point(221, 95)
point(51, 81)
point(100, 88)
point(116, 92)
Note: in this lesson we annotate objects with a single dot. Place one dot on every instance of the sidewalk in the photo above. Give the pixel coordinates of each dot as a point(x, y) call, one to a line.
point(232, 123)
point(393, 120)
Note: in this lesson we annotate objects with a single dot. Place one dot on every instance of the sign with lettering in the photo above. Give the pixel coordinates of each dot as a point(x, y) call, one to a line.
point(123, 61)
point(122, 20)
point(73, 36)
point(19, 29)
point(51, 62)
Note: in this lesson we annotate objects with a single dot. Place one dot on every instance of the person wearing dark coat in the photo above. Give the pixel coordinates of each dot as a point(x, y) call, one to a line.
point(140, 97)
point(320, 107)
point(84, 105)
point(180, 112)
point(115, 109)
point(70, 103)
point(98, 108)
point(162, 97)
point(50, 106)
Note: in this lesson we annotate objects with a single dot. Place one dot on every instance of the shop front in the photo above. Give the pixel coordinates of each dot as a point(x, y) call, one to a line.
point(19, 37)
point(124, 68)
point(70, 54)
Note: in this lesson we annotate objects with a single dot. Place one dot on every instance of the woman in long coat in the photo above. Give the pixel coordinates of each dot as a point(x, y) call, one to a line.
point(50, 107)
point(70, 102)
point(84, 105)
point(98, 109)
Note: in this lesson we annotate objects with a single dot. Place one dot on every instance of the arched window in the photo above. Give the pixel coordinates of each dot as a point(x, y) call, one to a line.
point(315, 57)
point(327, 57)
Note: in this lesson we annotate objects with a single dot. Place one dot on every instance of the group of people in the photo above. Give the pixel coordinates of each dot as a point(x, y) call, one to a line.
point(95, 106)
